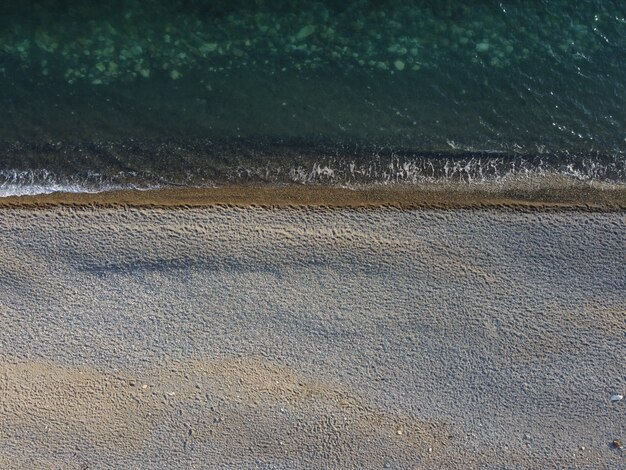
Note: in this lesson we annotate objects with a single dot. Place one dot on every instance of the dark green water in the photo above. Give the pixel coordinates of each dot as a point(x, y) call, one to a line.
point(146, 93)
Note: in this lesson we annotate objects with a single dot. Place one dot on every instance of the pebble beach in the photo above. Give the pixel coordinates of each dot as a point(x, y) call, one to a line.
point(216, 337)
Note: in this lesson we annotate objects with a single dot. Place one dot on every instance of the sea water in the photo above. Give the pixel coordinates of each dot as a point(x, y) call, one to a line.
point(150, 93)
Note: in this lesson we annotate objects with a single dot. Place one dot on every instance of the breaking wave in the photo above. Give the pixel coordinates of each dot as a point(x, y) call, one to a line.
point(470, 169)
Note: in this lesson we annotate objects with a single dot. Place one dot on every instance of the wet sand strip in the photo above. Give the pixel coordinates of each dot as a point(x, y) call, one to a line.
point(523, 196)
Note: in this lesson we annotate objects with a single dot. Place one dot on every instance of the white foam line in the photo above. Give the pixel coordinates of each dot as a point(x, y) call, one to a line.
point(37, 189)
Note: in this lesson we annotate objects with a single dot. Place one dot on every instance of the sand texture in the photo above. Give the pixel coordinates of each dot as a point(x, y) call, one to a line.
point(224, 337)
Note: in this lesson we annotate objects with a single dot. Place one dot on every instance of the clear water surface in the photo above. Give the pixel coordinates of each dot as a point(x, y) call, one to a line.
point(157, 92)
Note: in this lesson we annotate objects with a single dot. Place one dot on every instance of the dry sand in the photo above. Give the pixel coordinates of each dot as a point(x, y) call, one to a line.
point(217, 337)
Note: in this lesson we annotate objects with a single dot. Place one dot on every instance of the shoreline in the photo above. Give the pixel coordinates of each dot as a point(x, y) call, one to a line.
point(529, 196)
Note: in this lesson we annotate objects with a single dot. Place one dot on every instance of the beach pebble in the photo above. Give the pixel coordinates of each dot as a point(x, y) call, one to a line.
point(617, 397)
point(617, 443)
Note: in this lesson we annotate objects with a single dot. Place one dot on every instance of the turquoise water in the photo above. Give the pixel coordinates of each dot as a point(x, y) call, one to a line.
point(196, 92)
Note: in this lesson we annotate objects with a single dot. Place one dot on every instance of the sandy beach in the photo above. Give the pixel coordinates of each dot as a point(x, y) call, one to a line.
point(133, 335)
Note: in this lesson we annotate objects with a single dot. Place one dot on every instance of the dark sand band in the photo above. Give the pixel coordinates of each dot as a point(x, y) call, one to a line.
point(523, 196)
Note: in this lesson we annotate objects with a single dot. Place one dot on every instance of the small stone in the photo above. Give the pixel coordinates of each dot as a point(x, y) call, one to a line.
point(397, 49)
point(305, 32)
point(617, 443)
point(208, 47)
point(399, 432)
point(144, 386)
point(616, 397)
point(482, 47)
point(132, 382)
point(582, 447)
point(399, 65)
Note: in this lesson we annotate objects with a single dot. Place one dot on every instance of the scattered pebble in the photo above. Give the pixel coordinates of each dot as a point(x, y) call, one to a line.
point(616, 397)
point(617, 443)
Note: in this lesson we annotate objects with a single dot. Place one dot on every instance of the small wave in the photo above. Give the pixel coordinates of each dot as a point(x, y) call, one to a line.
point(42, 181)
point(435, 168)
point(470, 170)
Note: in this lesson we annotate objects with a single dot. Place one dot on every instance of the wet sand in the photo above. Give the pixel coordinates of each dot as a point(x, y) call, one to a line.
point(133, 335)
point(538, 193)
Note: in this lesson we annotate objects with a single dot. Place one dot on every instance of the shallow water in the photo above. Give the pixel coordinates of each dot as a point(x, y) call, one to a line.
point(196, 92)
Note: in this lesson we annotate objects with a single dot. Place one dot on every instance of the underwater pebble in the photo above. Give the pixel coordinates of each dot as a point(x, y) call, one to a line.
point(184, 43)
point(209, 47)
point(305, 32)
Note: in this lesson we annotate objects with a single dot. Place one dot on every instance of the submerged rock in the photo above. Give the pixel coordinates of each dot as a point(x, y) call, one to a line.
point(305, 32)
point(399, 65)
